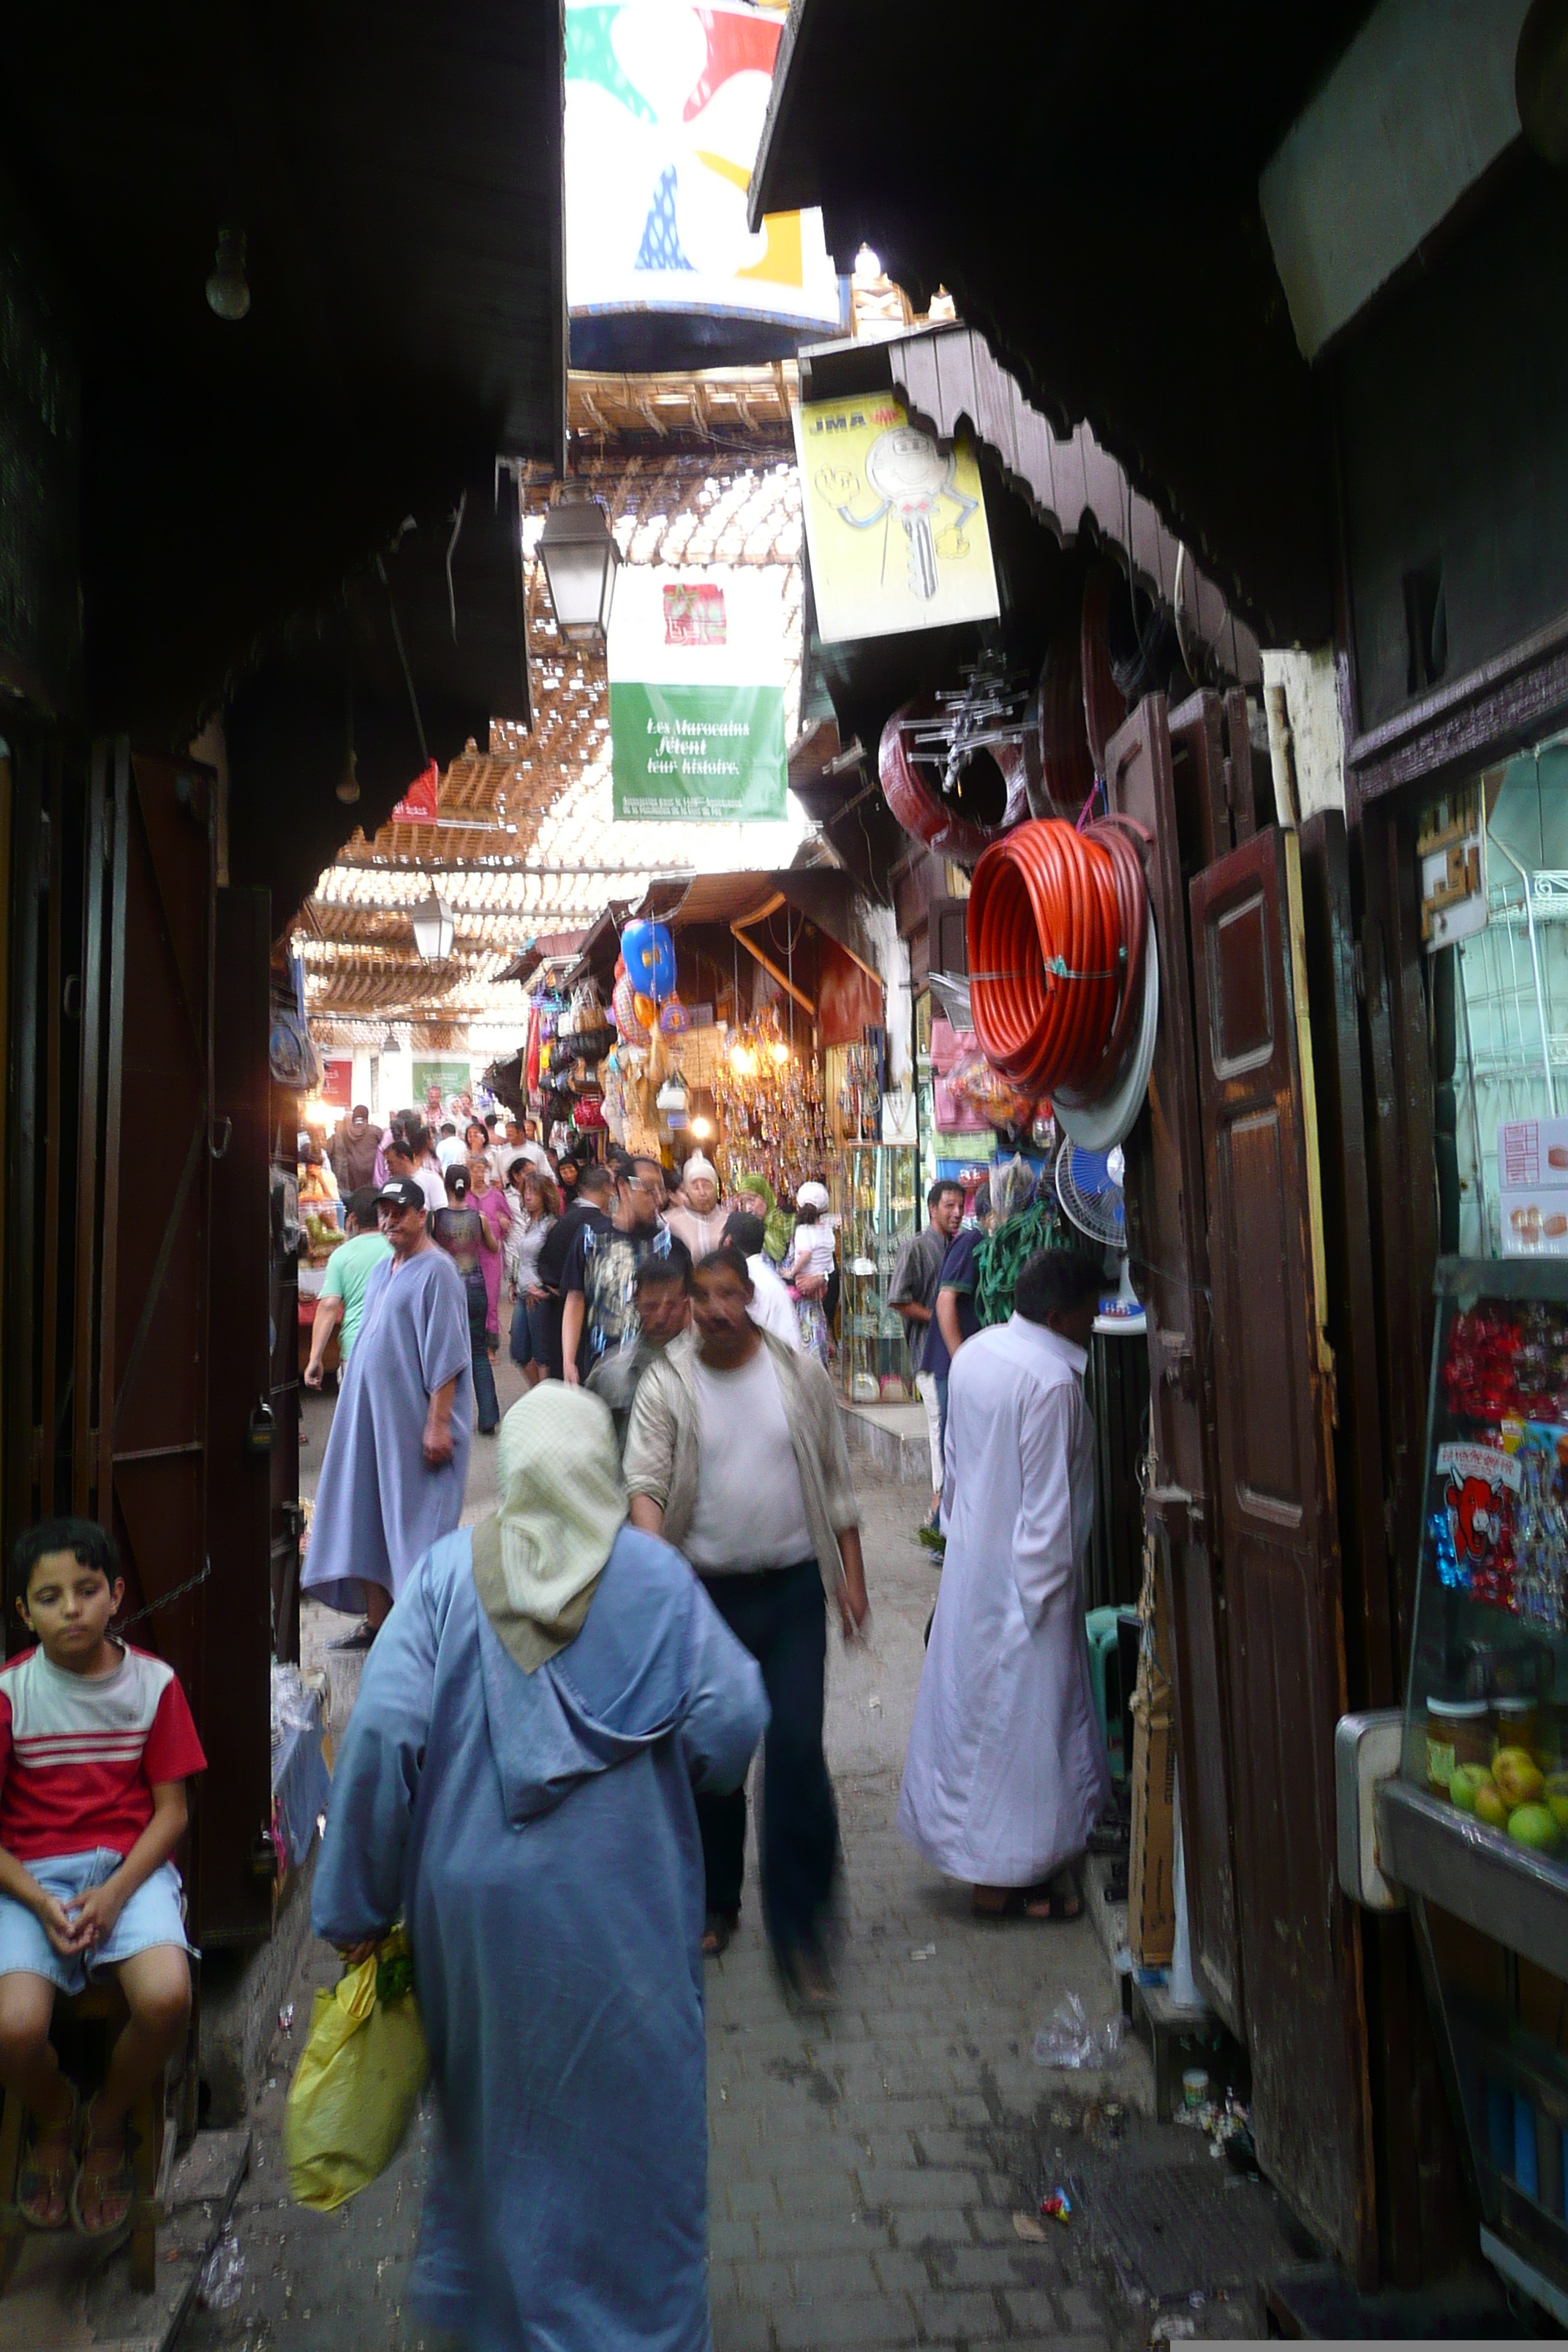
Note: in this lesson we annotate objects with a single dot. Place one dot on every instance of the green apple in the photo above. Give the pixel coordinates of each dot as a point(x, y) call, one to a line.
point(1466, 1784)
point(1533, 1825)
point(1558, 1807)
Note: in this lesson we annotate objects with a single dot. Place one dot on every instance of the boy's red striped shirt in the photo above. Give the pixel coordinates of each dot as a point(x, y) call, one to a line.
point(81, 1754)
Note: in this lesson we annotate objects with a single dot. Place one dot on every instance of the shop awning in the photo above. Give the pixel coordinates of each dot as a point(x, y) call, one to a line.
point(1084, 183)
point(948, 374)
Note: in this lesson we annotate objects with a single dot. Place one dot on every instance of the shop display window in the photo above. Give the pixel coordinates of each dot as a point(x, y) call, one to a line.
point(873, 1193)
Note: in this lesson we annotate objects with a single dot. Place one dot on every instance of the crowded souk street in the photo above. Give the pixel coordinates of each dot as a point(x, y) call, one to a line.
point(784, 1176)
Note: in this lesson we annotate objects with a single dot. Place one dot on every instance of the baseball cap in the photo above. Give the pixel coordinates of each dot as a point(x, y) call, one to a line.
point(402, 1192)
point(812, 1196)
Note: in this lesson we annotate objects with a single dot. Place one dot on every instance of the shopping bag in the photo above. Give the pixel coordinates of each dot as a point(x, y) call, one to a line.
point(357, 2080)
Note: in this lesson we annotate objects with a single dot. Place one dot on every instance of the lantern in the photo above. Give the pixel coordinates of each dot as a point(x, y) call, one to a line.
point(579, 558)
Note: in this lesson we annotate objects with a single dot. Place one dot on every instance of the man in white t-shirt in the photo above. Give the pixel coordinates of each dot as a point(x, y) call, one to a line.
point(736, 1454)
point(400, 1161)
point(772, 1308)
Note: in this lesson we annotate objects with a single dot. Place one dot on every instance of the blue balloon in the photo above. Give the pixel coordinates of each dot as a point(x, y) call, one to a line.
point(649, 953)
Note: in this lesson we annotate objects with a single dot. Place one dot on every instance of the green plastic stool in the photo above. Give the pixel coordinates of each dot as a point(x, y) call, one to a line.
point(1100, 1625)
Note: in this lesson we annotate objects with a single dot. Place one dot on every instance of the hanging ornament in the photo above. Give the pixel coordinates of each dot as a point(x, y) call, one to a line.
point(673, 1018)
point(649, 953)
point(645, 1010)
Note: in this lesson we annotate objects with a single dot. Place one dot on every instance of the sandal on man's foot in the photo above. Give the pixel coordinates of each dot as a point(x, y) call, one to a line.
point(47, 2172)
point(1059, 1899)
point(112, 2187)
point(717, 1929)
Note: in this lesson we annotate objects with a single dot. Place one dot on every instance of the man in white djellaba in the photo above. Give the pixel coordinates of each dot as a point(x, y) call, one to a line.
point(1007, 1773)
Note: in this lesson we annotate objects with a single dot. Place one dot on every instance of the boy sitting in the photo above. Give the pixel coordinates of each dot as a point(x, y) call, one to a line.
point(95, 1743)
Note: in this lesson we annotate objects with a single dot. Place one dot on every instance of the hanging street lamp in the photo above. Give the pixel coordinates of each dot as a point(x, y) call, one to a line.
point(580, 556)
point(433, 930)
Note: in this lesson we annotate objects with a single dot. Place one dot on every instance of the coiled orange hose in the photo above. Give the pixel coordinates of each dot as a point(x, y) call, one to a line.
point(1057, 922)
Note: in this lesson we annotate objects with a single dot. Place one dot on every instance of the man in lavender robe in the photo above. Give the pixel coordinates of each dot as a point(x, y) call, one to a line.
point(397, 1458)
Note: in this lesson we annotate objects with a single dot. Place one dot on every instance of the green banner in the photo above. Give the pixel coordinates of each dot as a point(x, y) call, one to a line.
point(714, 753)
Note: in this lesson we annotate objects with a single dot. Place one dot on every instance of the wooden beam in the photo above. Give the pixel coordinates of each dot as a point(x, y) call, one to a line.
point(772, 969)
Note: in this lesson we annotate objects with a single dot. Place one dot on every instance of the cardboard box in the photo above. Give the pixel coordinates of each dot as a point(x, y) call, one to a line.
point(1533, 1155)
point(1150, 1888)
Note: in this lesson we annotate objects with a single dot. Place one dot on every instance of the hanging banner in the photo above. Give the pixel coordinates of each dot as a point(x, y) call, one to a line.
point(895, 525)
point(420, 803)
point(676, 96)
point(696, 669)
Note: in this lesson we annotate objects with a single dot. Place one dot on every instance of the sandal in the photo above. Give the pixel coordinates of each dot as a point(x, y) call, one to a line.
point(1059, 1899)
point(108, 2184)
point(38, 2182)
point(717, 1929)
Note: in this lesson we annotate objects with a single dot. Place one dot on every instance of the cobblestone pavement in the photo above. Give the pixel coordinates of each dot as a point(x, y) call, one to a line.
point(866, 2166)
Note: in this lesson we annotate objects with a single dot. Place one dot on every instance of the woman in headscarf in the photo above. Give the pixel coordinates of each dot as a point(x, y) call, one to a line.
point(517, 1780)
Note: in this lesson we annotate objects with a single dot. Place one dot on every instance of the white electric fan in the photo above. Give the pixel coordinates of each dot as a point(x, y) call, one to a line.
point(1090, 1188)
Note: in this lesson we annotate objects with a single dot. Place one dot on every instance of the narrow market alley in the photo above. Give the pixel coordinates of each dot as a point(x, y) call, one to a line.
point(866, 2168)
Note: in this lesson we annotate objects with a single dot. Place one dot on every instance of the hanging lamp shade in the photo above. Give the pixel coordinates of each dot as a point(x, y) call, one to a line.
point(580, 556)
point(433, 930)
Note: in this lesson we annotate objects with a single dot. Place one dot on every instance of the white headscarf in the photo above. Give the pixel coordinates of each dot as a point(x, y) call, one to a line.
point(561, 1506)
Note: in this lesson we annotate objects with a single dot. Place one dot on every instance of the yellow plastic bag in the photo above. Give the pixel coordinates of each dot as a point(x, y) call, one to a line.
point(357, 2083)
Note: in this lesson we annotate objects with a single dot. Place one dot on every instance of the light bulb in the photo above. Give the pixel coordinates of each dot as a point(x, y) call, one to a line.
point(228, 289)
point(701, 1127)
point(779, 1051)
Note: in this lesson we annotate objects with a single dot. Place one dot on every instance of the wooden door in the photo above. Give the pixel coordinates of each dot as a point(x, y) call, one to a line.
point(236, 1898)
point(1168, 1235)
point(1284, 1615)
point(141, 1324)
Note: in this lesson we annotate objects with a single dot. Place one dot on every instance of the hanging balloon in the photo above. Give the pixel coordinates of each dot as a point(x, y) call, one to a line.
point(674, 1018)
point(623, 1004)
point(649, 952)
point(645, 1008)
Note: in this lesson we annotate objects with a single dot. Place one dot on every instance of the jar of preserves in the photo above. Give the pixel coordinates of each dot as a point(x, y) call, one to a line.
point(1516, 1723)
point(1459, 1731)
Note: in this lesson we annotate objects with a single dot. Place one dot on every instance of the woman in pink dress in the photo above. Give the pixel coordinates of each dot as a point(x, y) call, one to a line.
point(486, 1196)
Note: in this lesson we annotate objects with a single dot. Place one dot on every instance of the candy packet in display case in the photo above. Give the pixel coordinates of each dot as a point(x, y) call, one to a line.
point(1478, 1486)
point(1539, 1542)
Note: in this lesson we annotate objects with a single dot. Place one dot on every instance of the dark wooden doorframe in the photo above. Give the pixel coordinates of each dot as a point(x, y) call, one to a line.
point(1278, 1506)
point(1189, 822)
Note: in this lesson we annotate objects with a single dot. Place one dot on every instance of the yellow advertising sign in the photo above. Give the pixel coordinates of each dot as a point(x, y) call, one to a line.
point(895, 525)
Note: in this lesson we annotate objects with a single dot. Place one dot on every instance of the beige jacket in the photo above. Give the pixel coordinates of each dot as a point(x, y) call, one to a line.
point(663, 1445)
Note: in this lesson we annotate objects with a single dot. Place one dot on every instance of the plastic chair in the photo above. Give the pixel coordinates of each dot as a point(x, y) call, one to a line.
point(101, 2004)
point(1105, 1676)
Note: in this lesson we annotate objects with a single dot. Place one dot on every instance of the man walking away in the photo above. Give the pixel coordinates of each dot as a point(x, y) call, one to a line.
point(353, 1150)
point(397, 1456)
point(341, 1304)
point(736, 1454)
point(598, 1281)
point(590, 1205)
point(1007, 1773)
point(663, 1310)
point(772, 1308)
point(916, 1275)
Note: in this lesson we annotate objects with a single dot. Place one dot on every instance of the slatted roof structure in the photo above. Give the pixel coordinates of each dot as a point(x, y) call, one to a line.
point(524, 840)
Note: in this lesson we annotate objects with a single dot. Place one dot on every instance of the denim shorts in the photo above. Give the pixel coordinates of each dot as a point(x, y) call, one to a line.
point(155, 1914)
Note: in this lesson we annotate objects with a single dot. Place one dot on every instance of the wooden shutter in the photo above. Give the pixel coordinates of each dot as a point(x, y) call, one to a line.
point(1168, 1234)
point(1274, 1376)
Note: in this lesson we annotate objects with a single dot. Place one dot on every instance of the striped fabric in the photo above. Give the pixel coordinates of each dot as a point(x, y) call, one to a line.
point(81, 1756)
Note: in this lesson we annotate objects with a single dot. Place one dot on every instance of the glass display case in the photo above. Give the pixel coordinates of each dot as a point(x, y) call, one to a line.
point(873, 1193)
point(1476, 1831)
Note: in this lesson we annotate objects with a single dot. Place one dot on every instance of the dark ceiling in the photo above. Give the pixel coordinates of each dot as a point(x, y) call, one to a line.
point(396, 171)
point(1084, 183)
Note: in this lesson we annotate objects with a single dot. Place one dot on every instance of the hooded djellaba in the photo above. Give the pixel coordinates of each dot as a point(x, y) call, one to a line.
point(517, 1781)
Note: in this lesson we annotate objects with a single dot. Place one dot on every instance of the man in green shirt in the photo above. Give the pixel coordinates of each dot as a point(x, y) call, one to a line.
point(349, 1268)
